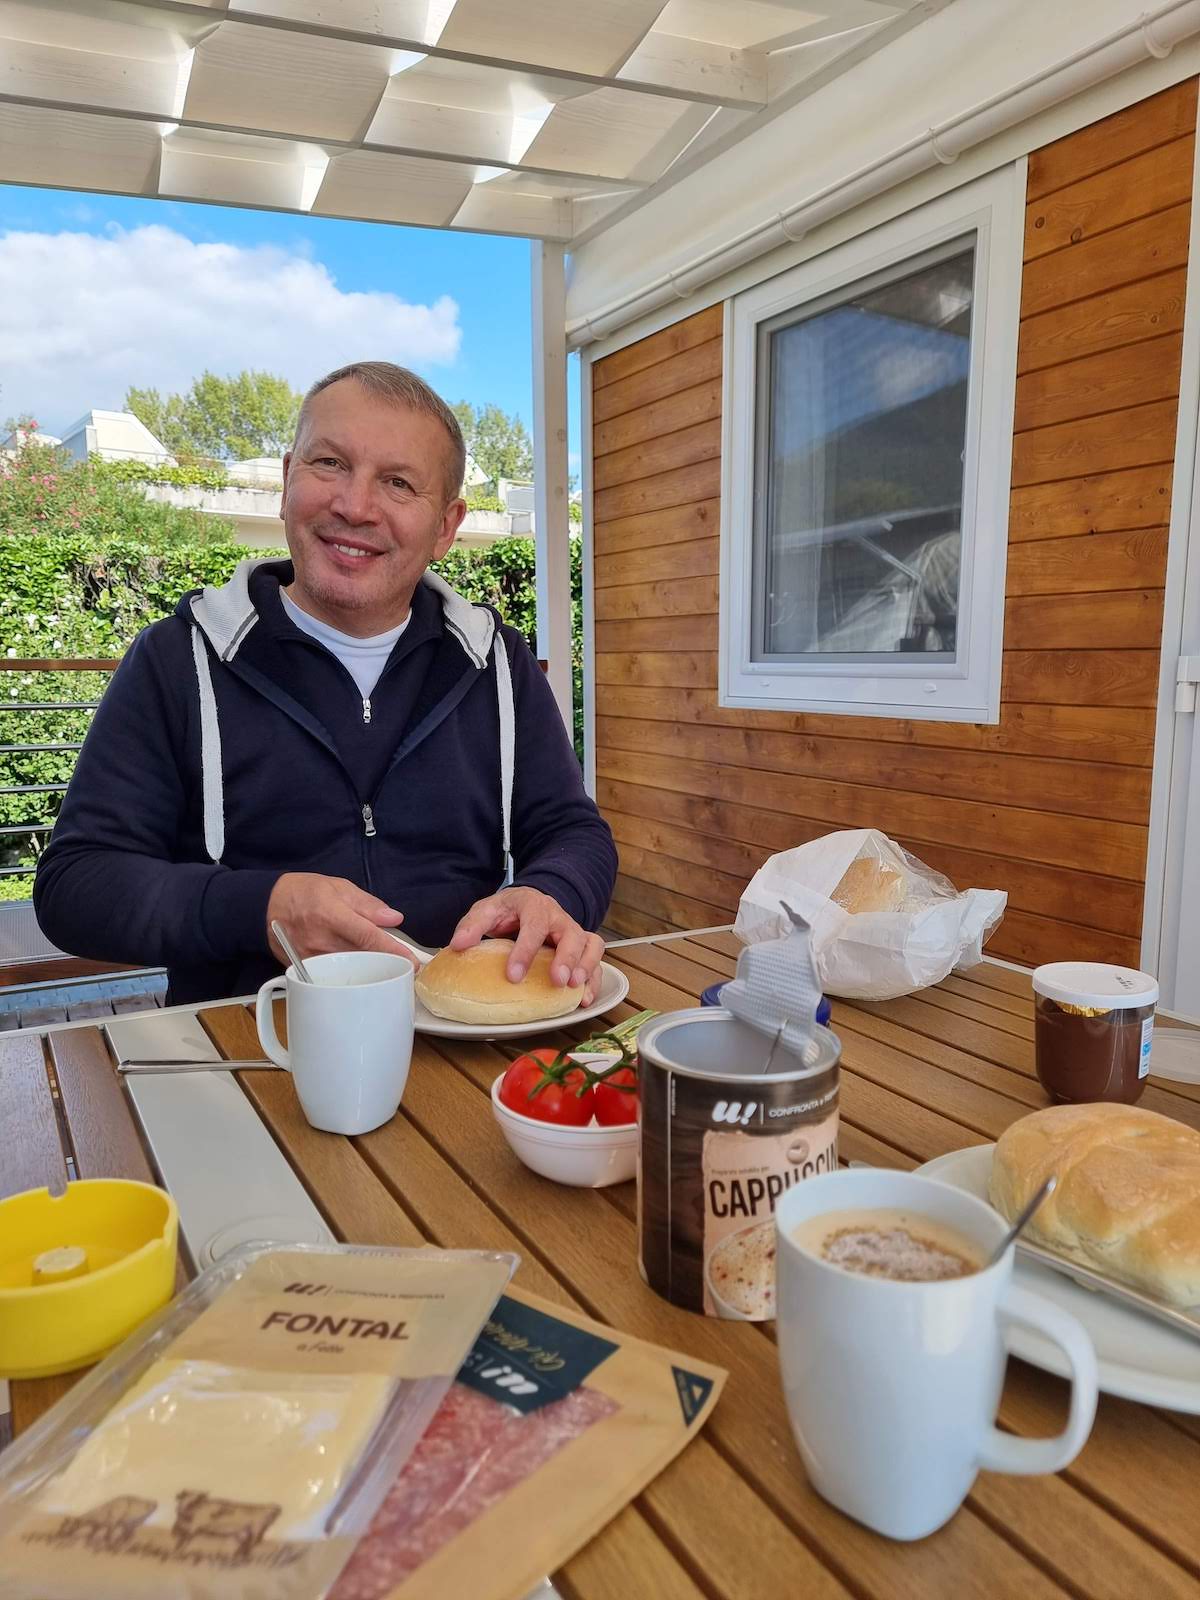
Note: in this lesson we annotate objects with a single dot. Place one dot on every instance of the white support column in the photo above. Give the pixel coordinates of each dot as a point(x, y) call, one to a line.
point(589, 574)
point(551, 524)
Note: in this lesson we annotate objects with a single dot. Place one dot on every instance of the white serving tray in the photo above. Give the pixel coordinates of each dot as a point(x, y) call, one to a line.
point(1138, 1357)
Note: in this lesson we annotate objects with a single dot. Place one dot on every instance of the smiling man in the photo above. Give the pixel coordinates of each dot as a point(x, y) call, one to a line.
point(339, 741)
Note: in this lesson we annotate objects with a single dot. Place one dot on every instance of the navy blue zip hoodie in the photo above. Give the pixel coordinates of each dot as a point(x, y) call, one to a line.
point(401, 794)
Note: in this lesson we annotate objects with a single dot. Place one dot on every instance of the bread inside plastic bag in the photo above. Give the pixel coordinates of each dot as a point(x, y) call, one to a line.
point(883, 923)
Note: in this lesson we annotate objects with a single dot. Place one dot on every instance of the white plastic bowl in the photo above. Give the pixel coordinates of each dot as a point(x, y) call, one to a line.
point(588, 1158)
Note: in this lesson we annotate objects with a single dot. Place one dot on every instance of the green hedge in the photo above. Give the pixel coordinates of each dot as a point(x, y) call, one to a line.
point(44, 492)
point(75, 596)
point(210, 477)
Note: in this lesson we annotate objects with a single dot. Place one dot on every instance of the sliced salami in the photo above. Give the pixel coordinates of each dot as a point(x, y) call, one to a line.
point(474, 1451)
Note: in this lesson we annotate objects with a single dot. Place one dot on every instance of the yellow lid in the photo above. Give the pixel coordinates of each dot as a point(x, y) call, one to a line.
point(80, 1270)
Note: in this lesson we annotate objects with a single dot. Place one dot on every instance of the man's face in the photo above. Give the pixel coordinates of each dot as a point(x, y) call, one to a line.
point(364, 507)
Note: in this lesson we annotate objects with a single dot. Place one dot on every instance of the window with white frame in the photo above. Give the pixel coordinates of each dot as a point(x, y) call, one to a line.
point(868, 406)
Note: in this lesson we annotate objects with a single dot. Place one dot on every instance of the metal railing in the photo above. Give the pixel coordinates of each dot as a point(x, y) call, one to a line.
point(35, 830)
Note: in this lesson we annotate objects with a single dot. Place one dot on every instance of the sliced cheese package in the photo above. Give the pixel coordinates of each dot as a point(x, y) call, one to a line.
point(237, 1446)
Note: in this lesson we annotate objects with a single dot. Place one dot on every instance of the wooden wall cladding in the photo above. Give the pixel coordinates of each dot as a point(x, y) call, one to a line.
point(1052, 803)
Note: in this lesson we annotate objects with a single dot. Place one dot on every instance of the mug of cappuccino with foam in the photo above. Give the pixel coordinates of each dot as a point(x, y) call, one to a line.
point(891, 1334)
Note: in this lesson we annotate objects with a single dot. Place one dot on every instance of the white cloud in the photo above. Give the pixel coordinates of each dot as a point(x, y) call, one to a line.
point(83, 316)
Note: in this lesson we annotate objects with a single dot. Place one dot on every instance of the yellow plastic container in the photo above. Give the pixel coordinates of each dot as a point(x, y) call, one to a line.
point(56, 1314)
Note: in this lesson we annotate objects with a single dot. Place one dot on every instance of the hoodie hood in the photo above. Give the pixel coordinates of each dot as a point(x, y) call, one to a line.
point(226, 615)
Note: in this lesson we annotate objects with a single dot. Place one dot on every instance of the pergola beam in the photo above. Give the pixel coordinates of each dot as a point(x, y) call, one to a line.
point(604, 183)
point(744, 86)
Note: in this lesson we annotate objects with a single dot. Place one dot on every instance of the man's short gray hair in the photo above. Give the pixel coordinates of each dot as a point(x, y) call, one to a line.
point(400, 387)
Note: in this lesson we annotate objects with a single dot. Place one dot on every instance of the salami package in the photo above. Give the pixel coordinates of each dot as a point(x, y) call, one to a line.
point(554, 1424)
point(238, 1445)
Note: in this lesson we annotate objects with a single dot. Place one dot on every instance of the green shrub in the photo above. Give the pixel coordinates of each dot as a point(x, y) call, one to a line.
point(44, 492)
point(477, 500)
point(194, 477)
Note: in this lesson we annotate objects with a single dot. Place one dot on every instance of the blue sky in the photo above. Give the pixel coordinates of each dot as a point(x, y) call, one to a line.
point(98, 292)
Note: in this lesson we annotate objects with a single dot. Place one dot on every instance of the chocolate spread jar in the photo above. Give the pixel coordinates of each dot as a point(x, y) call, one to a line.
point(726, 1126)
point(1092, 1030)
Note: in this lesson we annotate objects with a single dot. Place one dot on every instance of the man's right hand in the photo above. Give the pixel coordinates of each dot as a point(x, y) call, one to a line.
point(320, 913)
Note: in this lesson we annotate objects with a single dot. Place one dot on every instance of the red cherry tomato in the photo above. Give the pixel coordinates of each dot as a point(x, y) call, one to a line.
point(616, 1104)
point(567, 1102)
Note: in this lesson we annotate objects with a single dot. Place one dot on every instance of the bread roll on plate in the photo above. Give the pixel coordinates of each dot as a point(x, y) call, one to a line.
point(1128, 1198)
point(472, 986)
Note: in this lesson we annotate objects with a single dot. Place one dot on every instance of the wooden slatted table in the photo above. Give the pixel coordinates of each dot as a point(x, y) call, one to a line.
point(734, 1516)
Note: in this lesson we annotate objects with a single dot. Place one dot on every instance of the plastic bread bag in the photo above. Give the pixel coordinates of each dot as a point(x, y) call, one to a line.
point(554, 1425)
point(238, 1445)
point(883, 923)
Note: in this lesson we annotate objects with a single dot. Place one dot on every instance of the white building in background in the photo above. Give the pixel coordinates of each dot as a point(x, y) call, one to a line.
point(250, 500)
point(115, 436)
point(259, 472)
point(23, 436)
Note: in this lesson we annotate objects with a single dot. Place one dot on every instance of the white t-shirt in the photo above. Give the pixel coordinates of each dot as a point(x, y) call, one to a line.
point(363, 659)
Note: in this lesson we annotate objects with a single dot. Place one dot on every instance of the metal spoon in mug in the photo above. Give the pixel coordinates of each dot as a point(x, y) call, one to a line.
point(286, 945)
point(1022, 1221)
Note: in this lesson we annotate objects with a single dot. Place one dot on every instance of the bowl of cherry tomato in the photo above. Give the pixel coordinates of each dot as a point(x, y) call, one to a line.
point(572, 1115)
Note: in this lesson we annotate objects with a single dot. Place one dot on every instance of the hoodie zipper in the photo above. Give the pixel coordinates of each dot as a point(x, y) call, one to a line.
point(256, 680)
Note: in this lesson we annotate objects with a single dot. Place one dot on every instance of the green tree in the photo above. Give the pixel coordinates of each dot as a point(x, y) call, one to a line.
point(163, 415)
point(226, 419)
point(498, 442)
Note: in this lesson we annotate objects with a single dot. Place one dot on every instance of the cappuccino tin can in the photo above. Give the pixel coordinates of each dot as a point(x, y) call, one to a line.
point(725, 1127)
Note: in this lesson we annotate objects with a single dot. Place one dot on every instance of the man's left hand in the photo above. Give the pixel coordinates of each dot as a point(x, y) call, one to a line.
point(535, 919)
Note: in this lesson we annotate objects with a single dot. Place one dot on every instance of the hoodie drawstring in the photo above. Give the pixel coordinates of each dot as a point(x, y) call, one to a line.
point(210, 753)
point(504, 700)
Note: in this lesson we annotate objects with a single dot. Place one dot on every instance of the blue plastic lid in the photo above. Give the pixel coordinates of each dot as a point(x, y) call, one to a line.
point(712, 997)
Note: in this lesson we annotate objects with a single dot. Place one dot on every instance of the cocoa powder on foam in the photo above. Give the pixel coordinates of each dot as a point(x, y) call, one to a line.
point(894, 1253)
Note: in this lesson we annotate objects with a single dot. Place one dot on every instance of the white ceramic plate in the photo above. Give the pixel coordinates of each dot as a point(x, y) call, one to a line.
point(1138, 1358)
point(614, 986)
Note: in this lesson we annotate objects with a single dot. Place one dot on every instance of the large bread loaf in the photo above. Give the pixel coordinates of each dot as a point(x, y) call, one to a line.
point(1128, 1197)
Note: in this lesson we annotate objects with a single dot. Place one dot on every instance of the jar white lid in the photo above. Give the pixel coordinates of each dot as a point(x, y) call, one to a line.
point(1095, 984)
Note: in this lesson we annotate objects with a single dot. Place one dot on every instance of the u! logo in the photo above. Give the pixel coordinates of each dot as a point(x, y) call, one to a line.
point(734, 1111)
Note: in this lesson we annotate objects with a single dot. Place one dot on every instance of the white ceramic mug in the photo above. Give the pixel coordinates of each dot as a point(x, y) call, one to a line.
point(350, 1036)
point(892, 1387)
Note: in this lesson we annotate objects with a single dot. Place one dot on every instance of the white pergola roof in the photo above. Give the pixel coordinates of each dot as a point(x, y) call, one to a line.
point(531, 117)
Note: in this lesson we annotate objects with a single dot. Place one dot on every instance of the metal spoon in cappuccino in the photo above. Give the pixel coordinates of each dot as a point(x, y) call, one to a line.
point(1022, 1221)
